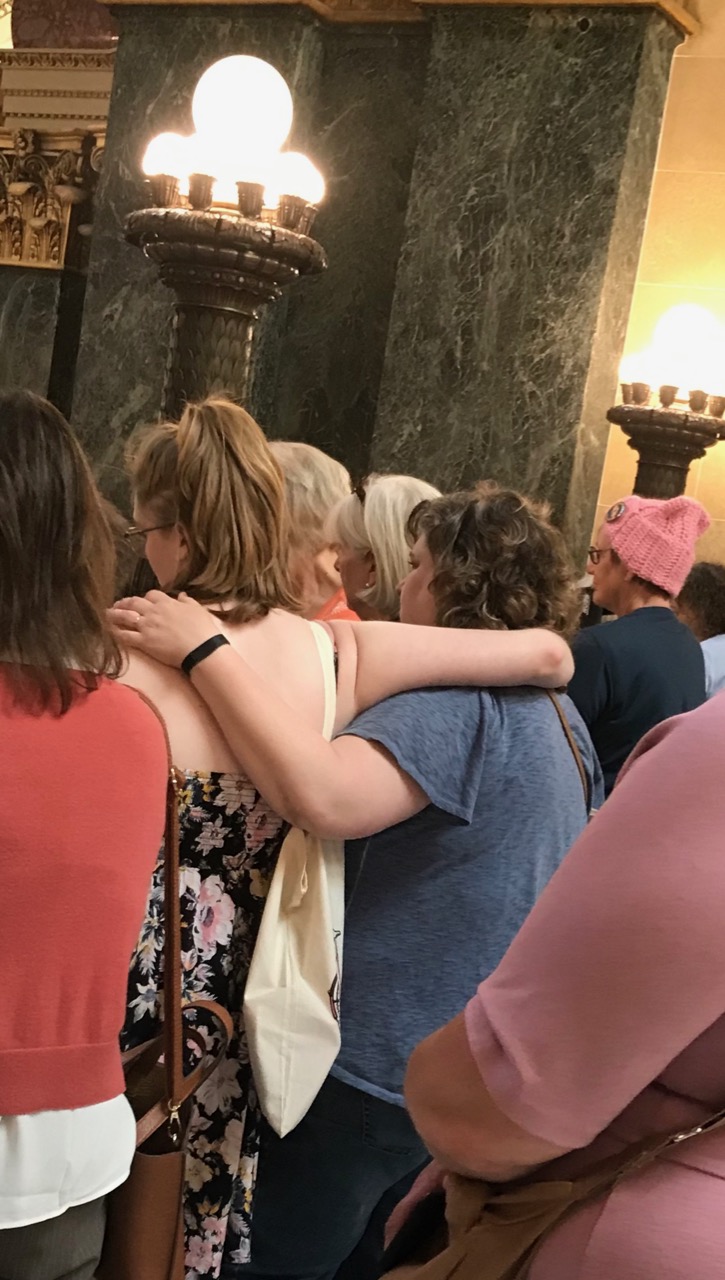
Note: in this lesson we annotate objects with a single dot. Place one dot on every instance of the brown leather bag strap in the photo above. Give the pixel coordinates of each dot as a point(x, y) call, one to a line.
point(158, 1113)
point(173, 1024)
point(573, 745)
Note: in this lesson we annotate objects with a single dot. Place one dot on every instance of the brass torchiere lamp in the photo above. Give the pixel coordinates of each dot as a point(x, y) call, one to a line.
point(673, 426)
point(230, 224)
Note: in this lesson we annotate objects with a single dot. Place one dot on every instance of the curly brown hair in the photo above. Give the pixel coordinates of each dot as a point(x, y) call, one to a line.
point(703, 596)
point(499, 562)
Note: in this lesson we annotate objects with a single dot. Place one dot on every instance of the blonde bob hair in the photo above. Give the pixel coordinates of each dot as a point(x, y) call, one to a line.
point(214, 474)
point(315, 483)
point(378, 525)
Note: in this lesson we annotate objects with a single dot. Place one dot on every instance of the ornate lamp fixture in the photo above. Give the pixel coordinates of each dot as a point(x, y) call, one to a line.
point(673, 427)
point(230, 224)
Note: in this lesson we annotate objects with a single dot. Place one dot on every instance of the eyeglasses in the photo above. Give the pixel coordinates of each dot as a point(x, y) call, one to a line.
point(134, 533)
point(596, 553)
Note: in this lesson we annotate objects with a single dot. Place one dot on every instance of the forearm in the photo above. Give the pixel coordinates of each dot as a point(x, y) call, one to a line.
point(288, 762)
point(313, 783)
point(392, 657)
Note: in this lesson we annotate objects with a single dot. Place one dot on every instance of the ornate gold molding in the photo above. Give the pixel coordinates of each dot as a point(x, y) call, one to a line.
point(59, 59)
point(46, 191)
point(53, 113)
point(45, 88)
point(678, 11)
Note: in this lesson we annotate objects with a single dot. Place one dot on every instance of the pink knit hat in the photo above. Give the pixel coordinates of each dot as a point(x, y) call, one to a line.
point(656, 539)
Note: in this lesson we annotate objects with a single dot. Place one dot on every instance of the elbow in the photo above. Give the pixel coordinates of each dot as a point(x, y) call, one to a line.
point(312, 816)
point(556, 663)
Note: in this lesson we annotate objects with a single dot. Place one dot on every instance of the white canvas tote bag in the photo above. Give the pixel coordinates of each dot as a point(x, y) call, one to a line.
point(292, 997)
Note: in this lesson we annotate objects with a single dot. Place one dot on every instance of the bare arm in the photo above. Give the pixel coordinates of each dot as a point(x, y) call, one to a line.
point(391, 657)
point(348, 787)
point(377, 659)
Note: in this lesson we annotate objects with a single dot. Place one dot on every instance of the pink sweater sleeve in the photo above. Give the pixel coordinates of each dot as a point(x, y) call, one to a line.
point(621, 964)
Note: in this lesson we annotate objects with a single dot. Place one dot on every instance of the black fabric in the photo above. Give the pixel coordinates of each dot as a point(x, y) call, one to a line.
point(630, 675)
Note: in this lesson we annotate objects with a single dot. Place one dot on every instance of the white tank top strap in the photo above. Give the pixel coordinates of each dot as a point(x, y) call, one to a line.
point(326, 650)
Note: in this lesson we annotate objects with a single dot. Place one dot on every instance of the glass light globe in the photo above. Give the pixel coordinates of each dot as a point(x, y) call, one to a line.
point(636, 367)
point(168, 153)
point(294, 175)
point(244, 96)
point(689, 348)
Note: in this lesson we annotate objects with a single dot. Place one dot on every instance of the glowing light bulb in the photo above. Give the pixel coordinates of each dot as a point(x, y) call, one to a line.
point(689, 349)
point(294, 175)
point(246, 96)
point(168, 153)
point(225, 192)
point(635, 367)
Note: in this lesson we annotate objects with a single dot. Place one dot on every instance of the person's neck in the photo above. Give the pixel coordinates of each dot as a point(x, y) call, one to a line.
point(367, 614)
point(638, 597)
point(317, 580)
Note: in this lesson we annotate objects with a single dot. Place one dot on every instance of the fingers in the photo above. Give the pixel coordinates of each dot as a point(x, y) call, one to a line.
point(122, 618)
point(133, 604)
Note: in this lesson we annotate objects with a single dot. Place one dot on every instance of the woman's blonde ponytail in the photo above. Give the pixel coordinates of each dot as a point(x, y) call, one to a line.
point(229, 497)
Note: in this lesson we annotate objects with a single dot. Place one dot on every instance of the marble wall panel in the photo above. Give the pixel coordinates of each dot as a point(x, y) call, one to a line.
point(28, 318)
point(324, 386)
point(528, 121)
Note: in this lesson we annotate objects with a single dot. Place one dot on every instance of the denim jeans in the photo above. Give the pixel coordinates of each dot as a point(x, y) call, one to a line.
point(318, 1188)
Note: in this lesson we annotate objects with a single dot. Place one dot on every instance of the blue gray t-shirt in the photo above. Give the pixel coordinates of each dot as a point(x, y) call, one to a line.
point(434, 902)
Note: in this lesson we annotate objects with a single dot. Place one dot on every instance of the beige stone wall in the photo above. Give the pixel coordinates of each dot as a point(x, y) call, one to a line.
point(683, 254)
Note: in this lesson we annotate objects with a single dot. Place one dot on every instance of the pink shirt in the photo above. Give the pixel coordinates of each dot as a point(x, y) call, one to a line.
point(607, 1013)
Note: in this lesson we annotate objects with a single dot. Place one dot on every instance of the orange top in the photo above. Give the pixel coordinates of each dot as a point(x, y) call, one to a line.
point(82, 819)
point(336, 609)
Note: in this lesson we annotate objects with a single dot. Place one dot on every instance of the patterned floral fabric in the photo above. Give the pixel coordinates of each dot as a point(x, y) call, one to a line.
point(229, 842)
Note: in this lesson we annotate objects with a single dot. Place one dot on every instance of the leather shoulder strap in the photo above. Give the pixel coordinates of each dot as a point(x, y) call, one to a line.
point(173, 1021)
point(574, 748)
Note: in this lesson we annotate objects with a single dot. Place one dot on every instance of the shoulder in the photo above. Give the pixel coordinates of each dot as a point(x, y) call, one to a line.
point(132, 709)
point(598, 639)
point(690, 746)
point(441, 728)
point(428, 706)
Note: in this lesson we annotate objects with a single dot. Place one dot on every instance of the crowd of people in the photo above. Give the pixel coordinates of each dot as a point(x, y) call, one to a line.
point(531, 816)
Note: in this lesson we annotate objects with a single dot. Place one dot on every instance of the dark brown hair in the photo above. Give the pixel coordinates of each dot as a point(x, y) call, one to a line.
point(499, 562)
point(214, 474)
point(703, 595)
point(57, 560)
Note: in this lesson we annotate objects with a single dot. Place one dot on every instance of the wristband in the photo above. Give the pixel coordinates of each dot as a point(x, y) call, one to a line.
point(201, 652)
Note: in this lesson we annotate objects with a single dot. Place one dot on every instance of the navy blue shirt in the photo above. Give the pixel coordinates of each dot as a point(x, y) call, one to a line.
point(434, 901)
point(632, 674)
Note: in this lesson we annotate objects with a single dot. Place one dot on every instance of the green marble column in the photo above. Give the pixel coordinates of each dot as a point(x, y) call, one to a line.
point(538, 136)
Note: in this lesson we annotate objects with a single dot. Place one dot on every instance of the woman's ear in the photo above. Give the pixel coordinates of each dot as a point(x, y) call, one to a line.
point(184, 547)
point(369, 560)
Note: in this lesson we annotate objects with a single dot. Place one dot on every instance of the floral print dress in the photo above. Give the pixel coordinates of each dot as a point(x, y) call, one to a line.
point(229, 842)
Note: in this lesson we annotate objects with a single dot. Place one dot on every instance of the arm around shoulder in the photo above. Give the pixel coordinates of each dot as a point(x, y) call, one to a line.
point(391, 657)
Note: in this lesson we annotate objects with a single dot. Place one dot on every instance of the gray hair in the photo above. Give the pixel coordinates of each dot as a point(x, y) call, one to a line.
point(379, 525)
